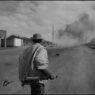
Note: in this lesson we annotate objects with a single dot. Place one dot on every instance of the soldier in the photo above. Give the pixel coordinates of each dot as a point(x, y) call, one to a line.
point(33, 62)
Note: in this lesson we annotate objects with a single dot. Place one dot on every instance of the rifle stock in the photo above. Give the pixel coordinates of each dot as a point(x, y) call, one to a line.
point(30, 80)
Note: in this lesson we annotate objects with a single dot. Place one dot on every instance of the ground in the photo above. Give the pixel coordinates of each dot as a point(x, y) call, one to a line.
point(75, 68)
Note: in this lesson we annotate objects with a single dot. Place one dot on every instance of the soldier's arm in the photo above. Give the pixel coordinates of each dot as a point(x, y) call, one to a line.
point(42, 63)
point(42, 59)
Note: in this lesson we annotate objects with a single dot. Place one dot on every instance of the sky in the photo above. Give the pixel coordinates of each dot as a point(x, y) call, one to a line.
point(24, 18)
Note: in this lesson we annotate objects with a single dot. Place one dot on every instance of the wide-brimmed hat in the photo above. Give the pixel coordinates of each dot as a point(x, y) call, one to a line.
point(37, 37)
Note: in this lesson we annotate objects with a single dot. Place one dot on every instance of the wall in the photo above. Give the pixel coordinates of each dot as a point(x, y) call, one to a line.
point(18, 42)
point(10, 42)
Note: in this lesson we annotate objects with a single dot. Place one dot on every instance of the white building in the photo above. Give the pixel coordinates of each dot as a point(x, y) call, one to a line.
point(16, 41)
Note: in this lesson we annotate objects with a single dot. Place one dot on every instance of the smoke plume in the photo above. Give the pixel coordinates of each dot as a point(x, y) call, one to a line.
point(78, 30)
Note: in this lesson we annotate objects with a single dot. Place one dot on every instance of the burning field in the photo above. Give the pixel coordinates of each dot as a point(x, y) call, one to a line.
point(74, 66)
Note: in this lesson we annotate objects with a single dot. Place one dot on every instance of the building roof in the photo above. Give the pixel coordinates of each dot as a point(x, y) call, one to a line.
point(2, 33)
point(14, 36)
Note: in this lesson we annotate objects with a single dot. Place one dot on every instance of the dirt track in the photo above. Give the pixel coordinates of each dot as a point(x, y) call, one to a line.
point(75, 67)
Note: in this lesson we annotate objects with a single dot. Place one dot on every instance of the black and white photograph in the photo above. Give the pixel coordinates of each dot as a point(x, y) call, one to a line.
point(47, 47)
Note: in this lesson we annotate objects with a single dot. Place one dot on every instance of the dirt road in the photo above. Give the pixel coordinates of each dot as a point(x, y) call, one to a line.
point(75, 67)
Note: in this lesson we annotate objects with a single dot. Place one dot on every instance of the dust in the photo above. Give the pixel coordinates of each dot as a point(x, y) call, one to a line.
point(78, 32)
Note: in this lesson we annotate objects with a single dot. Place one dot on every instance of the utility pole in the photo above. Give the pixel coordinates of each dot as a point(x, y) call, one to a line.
point(53, 33)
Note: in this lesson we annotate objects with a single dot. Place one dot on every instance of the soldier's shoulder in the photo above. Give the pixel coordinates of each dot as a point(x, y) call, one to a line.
point(41, 46)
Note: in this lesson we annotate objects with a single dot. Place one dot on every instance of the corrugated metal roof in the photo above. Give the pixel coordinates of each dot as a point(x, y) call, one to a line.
point(2, 33)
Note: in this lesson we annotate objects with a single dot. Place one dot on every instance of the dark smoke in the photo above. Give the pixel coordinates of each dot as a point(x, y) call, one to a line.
point(79, 29)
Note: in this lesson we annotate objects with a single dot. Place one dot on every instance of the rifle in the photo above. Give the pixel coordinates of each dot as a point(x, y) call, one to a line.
point(30, 80)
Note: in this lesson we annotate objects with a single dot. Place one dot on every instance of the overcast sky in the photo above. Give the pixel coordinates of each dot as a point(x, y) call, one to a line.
point(27, 17)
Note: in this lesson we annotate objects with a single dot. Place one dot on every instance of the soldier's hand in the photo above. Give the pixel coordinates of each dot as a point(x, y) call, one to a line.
point(53, 77)
point(22, 83)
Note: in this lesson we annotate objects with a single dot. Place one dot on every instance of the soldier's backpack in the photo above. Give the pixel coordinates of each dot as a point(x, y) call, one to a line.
point(26, 57)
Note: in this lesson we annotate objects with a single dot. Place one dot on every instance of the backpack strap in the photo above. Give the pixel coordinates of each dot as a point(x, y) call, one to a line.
point(31, 60)
point(33, 57)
